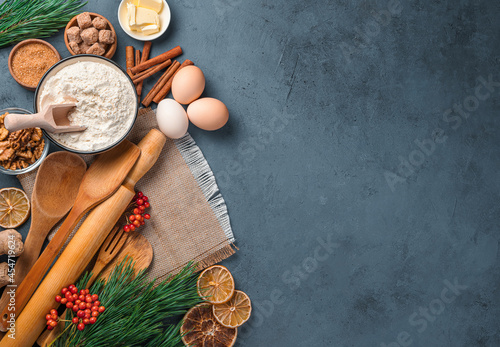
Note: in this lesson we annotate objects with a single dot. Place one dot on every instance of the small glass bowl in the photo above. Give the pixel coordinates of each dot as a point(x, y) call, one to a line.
point(37, 163)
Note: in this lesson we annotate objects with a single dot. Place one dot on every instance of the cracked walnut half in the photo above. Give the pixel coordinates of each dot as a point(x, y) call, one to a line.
point(19, 149)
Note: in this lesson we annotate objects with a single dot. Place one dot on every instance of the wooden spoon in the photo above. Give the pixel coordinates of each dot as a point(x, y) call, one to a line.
point(54, 193)
point(53, 118)
point(100, 181)
point(136, 247)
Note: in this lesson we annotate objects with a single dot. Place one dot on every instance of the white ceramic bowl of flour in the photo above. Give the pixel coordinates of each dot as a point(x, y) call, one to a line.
point(105, 97)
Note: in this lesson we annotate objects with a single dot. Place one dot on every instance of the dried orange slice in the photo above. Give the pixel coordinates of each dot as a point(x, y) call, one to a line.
point(14, 207)
point(235, 312)
point(201, 329)
point(216, 284)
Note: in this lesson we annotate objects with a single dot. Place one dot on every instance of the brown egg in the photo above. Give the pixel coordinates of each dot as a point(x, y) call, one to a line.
point(208, 113)
point(188, 84)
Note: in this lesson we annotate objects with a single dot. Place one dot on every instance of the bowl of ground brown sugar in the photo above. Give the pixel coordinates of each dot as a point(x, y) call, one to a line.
point(30, 59)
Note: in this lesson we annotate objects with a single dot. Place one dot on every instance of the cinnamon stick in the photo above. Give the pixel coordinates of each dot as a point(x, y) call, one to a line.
point(159, 84)
point(137, 57)
point(129, 56)
point(150, 72)
point(145, 56)
point(145, 51)
point(137, 60)
point(145, 72)
point(166, 88)
point(174, 52)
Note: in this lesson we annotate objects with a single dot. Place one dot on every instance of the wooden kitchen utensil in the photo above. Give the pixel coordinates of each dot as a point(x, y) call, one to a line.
point(109, 250)
point(82, 247)
point(53, 118)
point(54, 193)
point(136, 247)
point(100, 181)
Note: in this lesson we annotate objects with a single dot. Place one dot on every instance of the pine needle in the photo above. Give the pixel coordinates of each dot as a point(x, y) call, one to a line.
point(25, 19)
point(170, 337)
point(135, 309)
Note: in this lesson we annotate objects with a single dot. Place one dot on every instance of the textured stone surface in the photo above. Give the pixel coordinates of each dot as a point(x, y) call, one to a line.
point(320, 114)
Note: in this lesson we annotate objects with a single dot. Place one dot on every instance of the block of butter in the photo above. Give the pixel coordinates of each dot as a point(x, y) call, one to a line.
point(154, 5)
point(145, 16)
point(142, 19)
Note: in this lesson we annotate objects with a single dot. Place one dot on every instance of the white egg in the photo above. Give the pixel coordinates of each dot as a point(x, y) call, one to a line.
point(172, 118)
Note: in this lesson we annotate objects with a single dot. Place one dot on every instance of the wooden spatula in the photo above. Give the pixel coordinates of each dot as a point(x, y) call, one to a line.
point(54, 194)
point(101, 180)
point(53, 118)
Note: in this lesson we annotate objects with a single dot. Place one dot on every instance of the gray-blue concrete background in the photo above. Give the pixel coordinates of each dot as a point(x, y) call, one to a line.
point(360, 163)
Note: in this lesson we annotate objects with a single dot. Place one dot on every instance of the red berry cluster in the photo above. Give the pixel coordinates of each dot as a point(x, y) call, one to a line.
point(52, 319)
point(86, 306)
point(137, 218)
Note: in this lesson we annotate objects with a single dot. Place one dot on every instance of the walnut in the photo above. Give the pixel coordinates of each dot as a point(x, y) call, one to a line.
point(27, 154)
point(6, 154)
point(38, 150)
point(14, 136)
point(19, 149)
point(3, 134)
point(25, 137)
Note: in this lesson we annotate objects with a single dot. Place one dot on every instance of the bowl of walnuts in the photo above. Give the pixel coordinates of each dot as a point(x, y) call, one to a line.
point(21, 151)
point(90, 33)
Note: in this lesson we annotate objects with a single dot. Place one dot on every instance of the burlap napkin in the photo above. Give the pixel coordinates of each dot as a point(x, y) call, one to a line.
point(189, 219)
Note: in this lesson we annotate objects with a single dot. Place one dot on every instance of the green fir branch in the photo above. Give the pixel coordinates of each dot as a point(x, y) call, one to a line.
point(25, 19)
point(135, 309)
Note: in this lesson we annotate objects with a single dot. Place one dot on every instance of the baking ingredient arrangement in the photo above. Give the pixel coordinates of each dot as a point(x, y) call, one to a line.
point(87, 104)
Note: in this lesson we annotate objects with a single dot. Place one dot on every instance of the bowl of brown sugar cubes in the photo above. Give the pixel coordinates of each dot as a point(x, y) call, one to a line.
point(90, 33)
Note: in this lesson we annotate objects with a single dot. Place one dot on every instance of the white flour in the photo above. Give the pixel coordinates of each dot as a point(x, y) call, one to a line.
point(106, 104)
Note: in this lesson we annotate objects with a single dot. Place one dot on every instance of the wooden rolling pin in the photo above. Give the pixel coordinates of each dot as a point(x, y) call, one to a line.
point(81, 249)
